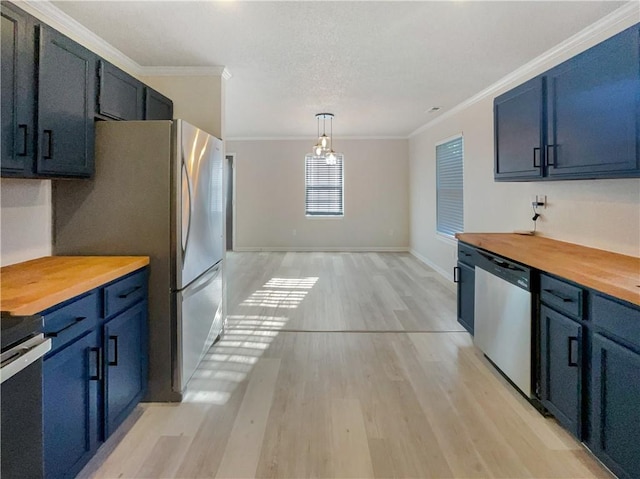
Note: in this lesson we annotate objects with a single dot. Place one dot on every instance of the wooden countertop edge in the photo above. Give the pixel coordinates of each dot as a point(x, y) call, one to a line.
point(62, 295)
point(629, 293)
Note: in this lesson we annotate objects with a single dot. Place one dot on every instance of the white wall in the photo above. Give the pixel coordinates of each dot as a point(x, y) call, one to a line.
point(198, 99)
point(270, 210)
point(603, 214)
point(25, 220)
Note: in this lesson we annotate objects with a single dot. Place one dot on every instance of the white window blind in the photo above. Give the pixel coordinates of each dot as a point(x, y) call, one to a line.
point(324, 187)
point(450, 218)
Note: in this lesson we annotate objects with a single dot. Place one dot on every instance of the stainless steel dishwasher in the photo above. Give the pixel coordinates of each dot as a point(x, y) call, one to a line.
point(503, 318)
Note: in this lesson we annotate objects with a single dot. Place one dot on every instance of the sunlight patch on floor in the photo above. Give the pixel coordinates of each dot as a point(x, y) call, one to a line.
point(245, 339)
point(281, 293)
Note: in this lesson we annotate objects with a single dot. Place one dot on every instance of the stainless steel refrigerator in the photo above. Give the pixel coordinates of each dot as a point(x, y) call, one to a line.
point(157, 191)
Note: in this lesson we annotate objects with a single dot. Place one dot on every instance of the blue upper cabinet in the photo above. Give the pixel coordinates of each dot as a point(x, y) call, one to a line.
point(18, 80)
point(578, 120)
point(66, 103)
point(518, 120)
point(593, 106)
point(53, 89)
point(120, 95)
point(157, 106)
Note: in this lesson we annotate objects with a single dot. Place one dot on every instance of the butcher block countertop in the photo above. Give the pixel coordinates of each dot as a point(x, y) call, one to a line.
point(611, 273)
point(33, 286)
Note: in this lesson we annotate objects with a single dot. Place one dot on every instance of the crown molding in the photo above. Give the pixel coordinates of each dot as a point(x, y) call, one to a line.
point(626, 15)
point(313, 138)
point(187, 71)
point(47, 12)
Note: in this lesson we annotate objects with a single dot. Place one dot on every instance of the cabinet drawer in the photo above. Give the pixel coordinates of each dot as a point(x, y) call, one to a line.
point(617, 318)
point(71, 320)
point(467, 254)
point(562, 296)
point(120, 295)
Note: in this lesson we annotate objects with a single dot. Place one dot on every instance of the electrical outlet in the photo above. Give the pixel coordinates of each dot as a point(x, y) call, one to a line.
point(538, 201)
point(541, 200)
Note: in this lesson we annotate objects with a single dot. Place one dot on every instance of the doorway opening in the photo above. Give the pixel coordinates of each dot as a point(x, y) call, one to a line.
point(230, 195)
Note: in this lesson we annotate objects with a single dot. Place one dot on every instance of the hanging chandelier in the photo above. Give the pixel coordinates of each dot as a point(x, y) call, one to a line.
point(324, 147)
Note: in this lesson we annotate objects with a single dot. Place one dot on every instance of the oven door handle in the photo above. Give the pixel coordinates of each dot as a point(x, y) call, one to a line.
point(23, 355)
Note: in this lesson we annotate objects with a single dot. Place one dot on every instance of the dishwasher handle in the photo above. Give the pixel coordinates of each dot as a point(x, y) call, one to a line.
point(501, 263)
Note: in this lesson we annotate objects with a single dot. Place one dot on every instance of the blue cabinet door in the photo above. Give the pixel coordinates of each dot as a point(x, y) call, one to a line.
point(466, 277)
point(518, 132)
point(71, 379)
point(615, 406)
point(18, 125)
point(593, 105)
point(120, 96)
point(66, 106)
point(560, 368)
point(157, 106)
point(125, 347)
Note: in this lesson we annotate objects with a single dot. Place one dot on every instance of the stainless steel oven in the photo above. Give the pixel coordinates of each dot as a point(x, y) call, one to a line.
point(23, 346)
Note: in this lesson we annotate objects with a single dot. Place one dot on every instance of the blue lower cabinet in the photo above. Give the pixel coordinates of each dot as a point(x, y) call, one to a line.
point(561, 368)
point(72, 383)
point(615, 406)
point(125, 367)
point(96, 372)
point(465, 276)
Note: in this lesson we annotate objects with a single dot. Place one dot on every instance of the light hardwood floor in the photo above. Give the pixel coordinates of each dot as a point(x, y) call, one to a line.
point(341, 365)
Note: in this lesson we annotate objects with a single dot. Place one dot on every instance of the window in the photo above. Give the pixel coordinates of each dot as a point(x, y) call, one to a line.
point(450, 219)
point(323, 187)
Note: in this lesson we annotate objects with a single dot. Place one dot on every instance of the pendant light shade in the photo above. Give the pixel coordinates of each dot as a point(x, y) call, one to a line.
point(324, 147)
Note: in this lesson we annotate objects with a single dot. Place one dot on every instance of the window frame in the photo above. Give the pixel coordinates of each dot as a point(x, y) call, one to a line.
point(459, 136)
point(340, 156)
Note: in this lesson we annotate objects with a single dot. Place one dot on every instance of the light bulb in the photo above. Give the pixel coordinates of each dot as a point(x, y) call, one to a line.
point(323, 141)
point(331, 159)
point(318, 150)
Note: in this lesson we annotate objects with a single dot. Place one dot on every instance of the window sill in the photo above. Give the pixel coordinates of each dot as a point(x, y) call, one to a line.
point(328, 217)
point(446, 238)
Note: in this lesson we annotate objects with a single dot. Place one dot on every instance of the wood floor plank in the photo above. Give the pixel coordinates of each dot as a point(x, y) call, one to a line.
point(165, 457)
point(203, 459)
point(129, 455)
point(350, 447)
point(242, 452)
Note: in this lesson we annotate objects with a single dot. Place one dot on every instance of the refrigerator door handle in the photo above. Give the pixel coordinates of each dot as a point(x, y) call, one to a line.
point(187, 180)
point(202, 281)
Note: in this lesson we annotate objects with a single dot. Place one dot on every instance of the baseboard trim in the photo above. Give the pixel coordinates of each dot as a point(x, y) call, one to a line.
point(322, 249)
point(445, 274)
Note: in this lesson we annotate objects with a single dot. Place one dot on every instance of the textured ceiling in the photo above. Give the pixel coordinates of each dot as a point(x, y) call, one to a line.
point(378, 66)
